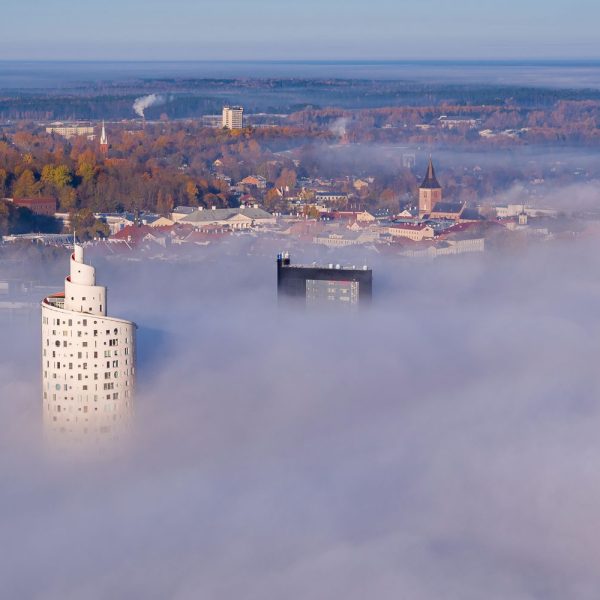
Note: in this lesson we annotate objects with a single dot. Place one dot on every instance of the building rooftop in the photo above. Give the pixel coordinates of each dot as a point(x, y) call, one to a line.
point(448, 207)
point(222, 214)
point(284, 259)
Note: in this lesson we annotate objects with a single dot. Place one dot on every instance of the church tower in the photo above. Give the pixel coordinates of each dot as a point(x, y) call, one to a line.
point(103, 141)
point(430, 192)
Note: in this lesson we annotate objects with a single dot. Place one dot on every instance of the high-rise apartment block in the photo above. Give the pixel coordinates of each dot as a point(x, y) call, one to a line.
point(323, 285)
point(88, 359)
point(233, 117)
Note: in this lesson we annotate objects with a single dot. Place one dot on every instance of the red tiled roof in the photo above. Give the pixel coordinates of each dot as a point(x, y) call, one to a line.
point(135, 232)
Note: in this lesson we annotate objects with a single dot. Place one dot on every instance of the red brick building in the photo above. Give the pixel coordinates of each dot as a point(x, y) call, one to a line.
point(39, 206)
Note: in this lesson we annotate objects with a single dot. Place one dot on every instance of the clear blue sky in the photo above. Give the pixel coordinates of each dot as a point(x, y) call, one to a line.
point(309, 29)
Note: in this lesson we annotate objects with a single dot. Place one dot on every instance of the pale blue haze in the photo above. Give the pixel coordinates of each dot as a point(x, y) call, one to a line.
point(312, 29)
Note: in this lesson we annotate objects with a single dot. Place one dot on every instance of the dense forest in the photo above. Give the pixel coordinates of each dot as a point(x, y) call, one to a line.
point(192, 98)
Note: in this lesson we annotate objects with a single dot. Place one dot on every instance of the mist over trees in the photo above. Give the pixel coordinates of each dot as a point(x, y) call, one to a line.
point(183, 163)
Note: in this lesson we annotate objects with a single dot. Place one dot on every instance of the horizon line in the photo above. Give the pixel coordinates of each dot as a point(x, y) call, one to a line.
point(366, 61)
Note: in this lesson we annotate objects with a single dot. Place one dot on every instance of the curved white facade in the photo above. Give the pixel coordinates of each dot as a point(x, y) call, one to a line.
point(88, 360)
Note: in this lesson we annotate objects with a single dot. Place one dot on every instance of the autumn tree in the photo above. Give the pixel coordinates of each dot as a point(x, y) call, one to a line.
point(191, 192)
point(286, 179)
point(57, 177)
point(86, 166)
point(26, 185)
point(86, 226)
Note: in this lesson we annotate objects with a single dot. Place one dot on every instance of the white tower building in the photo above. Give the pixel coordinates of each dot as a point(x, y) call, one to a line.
point(233, 117)
point(103, 141)
point(88, 360)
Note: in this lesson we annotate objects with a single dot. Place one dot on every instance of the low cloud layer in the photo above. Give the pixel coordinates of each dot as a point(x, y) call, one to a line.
point(442, 444)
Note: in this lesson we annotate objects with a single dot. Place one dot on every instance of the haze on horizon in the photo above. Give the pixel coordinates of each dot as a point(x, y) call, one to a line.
point(272, 30)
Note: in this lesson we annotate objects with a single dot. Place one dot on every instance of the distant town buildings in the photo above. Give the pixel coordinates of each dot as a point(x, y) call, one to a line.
point(256, 181)
point(233, 117)
point(514, 210)
point(413, 231)
point(244, 217)
point(88, 360)
point(323, 285)
point(333, 198)
point(70, 130)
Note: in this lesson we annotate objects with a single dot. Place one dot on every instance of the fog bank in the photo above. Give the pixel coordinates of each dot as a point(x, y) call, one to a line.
point(441, 444)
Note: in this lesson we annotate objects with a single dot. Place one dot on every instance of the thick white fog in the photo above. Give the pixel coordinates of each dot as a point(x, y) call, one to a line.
point(442, 444)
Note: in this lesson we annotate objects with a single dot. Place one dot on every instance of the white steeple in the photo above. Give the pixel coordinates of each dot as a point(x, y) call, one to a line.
point(103, 137)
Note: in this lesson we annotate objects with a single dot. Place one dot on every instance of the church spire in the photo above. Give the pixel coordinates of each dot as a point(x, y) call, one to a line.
point(430, 182)
point(103, 140)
